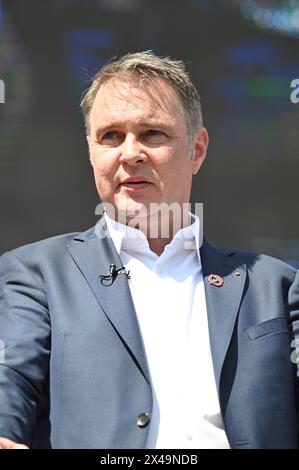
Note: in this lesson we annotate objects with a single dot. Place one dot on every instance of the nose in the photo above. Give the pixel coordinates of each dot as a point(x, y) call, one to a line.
point(132, 151)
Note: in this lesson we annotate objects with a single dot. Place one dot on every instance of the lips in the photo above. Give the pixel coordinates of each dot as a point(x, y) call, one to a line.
point(134, 181)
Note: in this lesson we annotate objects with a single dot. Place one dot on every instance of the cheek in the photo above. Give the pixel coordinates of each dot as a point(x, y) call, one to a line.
point(162, 161)
point(105, 186)
point(104, 181)
point(175, 166)
point(102, 173)
point(104, 167)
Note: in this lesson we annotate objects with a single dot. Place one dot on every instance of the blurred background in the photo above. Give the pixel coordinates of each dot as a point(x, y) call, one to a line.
point(241, 54)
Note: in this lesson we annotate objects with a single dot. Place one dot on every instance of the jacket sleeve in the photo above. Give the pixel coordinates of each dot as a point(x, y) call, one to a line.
point(24, 349)
point(293, 302)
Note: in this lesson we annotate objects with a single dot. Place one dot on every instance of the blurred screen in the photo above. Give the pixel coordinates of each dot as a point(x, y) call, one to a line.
point(242, 56)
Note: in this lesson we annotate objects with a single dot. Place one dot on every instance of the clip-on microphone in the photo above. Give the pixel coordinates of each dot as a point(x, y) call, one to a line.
point(108, 279)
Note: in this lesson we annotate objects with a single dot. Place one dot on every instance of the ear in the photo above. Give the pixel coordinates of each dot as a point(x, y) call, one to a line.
point(200, 146)
point(88, 143)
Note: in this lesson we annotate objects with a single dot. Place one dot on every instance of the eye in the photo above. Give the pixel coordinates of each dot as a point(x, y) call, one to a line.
point(154, 136)
point(109, 137)
point(153, 133)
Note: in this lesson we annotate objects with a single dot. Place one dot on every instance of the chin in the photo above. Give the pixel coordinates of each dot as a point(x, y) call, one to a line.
point(132, 209)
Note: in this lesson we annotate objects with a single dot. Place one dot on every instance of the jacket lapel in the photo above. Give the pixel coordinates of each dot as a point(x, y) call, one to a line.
point(222, 302)
point(93, 252)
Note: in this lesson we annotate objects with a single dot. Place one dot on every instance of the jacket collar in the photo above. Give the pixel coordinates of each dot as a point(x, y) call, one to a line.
point(222, 302)
point(93, 252)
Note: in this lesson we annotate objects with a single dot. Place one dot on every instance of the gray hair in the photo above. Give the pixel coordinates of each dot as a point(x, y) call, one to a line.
point(147, 65)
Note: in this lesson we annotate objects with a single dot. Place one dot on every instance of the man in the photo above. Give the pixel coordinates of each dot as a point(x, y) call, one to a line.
point(134, 334)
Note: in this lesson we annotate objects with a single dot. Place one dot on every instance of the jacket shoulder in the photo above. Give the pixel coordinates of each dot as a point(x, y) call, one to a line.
point(52, 247)
point(259, 262)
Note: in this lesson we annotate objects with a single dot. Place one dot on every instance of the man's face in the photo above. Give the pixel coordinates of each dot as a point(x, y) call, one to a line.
point(139, 145)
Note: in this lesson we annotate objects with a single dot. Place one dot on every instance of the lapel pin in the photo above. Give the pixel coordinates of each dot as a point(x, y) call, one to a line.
point(215, 280)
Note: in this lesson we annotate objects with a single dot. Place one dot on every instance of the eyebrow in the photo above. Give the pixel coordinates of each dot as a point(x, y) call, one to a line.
point(102, 127)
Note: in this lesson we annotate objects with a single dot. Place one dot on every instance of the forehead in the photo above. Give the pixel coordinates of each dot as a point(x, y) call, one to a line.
point(119, 97)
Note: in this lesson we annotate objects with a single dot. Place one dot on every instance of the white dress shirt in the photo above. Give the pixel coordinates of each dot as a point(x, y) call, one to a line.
point(169, 299)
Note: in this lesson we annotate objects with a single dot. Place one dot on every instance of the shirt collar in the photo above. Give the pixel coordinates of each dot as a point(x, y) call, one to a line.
point(124, 237)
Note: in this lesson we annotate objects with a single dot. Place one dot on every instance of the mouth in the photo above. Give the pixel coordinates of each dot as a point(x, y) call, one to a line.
point(135, 184)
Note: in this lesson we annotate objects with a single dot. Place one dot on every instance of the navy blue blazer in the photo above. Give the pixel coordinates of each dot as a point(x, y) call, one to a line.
point(73, 371)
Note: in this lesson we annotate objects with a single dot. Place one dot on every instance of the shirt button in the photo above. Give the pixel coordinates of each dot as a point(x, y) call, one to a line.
point(189, 436)
point(142, 420)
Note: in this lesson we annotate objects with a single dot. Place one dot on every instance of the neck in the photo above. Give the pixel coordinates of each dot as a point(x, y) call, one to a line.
point(157, 245)
point(160, 230)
